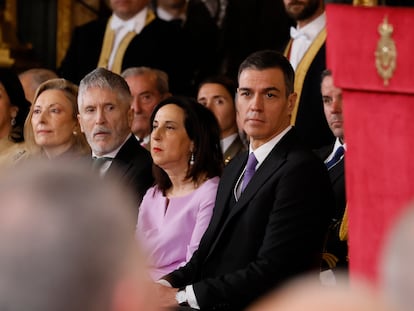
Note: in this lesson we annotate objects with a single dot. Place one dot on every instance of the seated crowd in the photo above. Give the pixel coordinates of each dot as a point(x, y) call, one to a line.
point(227, 199)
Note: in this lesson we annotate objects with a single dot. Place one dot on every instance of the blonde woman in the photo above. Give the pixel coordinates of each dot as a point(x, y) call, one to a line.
point(52, 128)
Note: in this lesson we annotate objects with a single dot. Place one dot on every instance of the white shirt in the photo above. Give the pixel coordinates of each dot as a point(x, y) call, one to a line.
point(104, 168)
point(261, 154)
point(302, 43)
point(226, 142)
point(164, 15)
point(122, 27)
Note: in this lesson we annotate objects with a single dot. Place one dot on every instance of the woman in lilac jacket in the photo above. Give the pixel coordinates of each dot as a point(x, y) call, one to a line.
point(174, 214)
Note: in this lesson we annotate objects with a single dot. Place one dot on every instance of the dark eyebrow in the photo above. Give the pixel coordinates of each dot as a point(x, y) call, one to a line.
point(272, 88)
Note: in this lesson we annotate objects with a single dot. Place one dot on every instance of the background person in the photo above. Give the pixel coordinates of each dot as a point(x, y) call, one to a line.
point(148, 87)
point(174, 214)
point(32, 78)
point(13, 112)
point(335, 253)
point(52, 127)
point(105, 117)
point(132, 36)
point(217, 94)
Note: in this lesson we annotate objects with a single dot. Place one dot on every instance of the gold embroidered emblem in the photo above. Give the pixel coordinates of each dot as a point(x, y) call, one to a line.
point(386, 53)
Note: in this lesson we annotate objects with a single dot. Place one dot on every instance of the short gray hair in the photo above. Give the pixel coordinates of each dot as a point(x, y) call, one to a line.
point(160, 76)
point(105, 79)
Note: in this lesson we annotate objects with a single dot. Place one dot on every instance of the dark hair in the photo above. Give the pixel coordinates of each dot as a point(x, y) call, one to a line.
point(326, 73)
point(14, 89)
point(224, 81)
point(267, 59)
point(202, 128)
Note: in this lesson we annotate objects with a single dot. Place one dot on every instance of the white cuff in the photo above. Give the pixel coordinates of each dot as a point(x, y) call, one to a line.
point(191, 298)
point(164, 282)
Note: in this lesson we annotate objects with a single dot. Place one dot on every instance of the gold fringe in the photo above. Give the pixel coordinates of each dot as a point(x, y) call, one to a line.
point(343, 229)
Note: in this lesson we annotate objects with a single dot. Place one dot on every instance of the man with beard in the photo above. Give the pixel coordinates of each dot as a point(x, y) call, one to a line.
point(105, 116)
point(306, 53)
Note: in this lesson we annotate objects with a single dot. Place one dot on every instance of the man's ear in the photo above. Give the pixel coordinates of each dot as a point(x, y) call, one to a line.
point(130, 117)
point(291, 102)
point(80, 123)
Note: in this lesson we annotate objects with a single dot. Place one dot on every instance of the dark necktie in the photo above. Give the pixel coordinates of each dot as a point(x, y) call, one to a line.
point(337, 156)
point(250, 170)
point(98, 162)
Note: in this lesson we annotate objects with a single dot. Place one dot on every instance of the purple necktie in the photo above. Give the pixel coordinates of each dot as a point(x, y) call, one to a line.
point(250, 169)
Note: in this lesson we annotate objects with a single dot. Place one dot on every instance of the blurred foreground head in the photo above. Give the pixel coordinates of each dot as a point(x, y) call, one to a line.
point(397, 273)
point(310, 295)
point(66, 243)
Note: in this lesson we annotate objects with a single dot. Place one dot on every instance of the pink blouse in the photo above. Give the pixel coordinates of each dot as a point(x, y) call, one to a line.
point(170, 234)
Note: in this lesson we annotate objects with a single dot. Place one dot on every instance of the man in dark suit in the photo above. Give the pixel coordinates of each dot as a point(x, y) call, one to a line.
point(105, 117)
point(270, 214)
point(335, 253)
point(132, 36)
point(200, 32)
point(306, 52)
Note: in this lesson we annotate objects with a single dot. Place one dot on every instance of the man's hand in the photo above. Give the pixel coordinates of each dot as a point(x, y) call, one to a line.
point(166, 296)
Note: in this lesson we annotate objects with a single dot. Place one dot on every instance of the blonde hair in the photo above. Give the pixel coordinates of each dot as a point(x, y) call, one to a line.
point(70, 90)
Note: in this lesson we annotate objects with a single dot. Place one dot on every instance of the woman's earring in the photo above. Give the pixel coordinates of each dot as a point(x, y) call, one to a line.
point(192, 159)
point(74, 133)
point(13, 122)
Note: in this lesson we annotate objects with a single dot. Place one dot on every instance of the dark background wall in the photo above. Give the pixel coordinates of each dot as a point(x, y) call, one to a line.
point(37, 25)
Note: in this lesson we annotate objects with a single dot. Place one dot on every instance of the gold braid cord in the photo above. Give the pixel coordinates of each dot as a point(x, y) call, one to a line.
point(109, 41)
point(303, 68)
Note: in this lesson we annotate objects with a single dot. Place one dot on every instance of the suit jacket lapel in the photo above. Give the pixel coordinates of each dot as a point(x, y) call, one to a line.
point(337, 171)
point(121, 163)
point(224, 193)
point(235, 147)
point(272, 163)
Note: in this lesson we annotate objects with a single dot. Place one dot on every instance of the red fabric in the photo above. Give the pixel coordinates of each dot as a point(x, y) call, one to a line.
point(379, 171)
point(379, 126)
point(352, 41)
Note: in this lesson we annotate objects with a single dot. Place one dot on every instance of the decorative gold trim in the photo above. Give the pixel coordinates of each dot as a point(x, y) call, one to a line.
point(108, 42)
point(386, 53)
point(64, 28)
point(303, 67)
point(365, 2)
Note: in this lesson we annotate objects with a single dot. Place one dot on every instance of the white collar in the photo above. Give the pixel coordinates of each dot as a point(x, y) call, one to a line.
point(338, 143)
point(135, 23)
point(164, 15)
point(312, 29)
point(227, 141)
point(263, 151)
point(113, 153)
